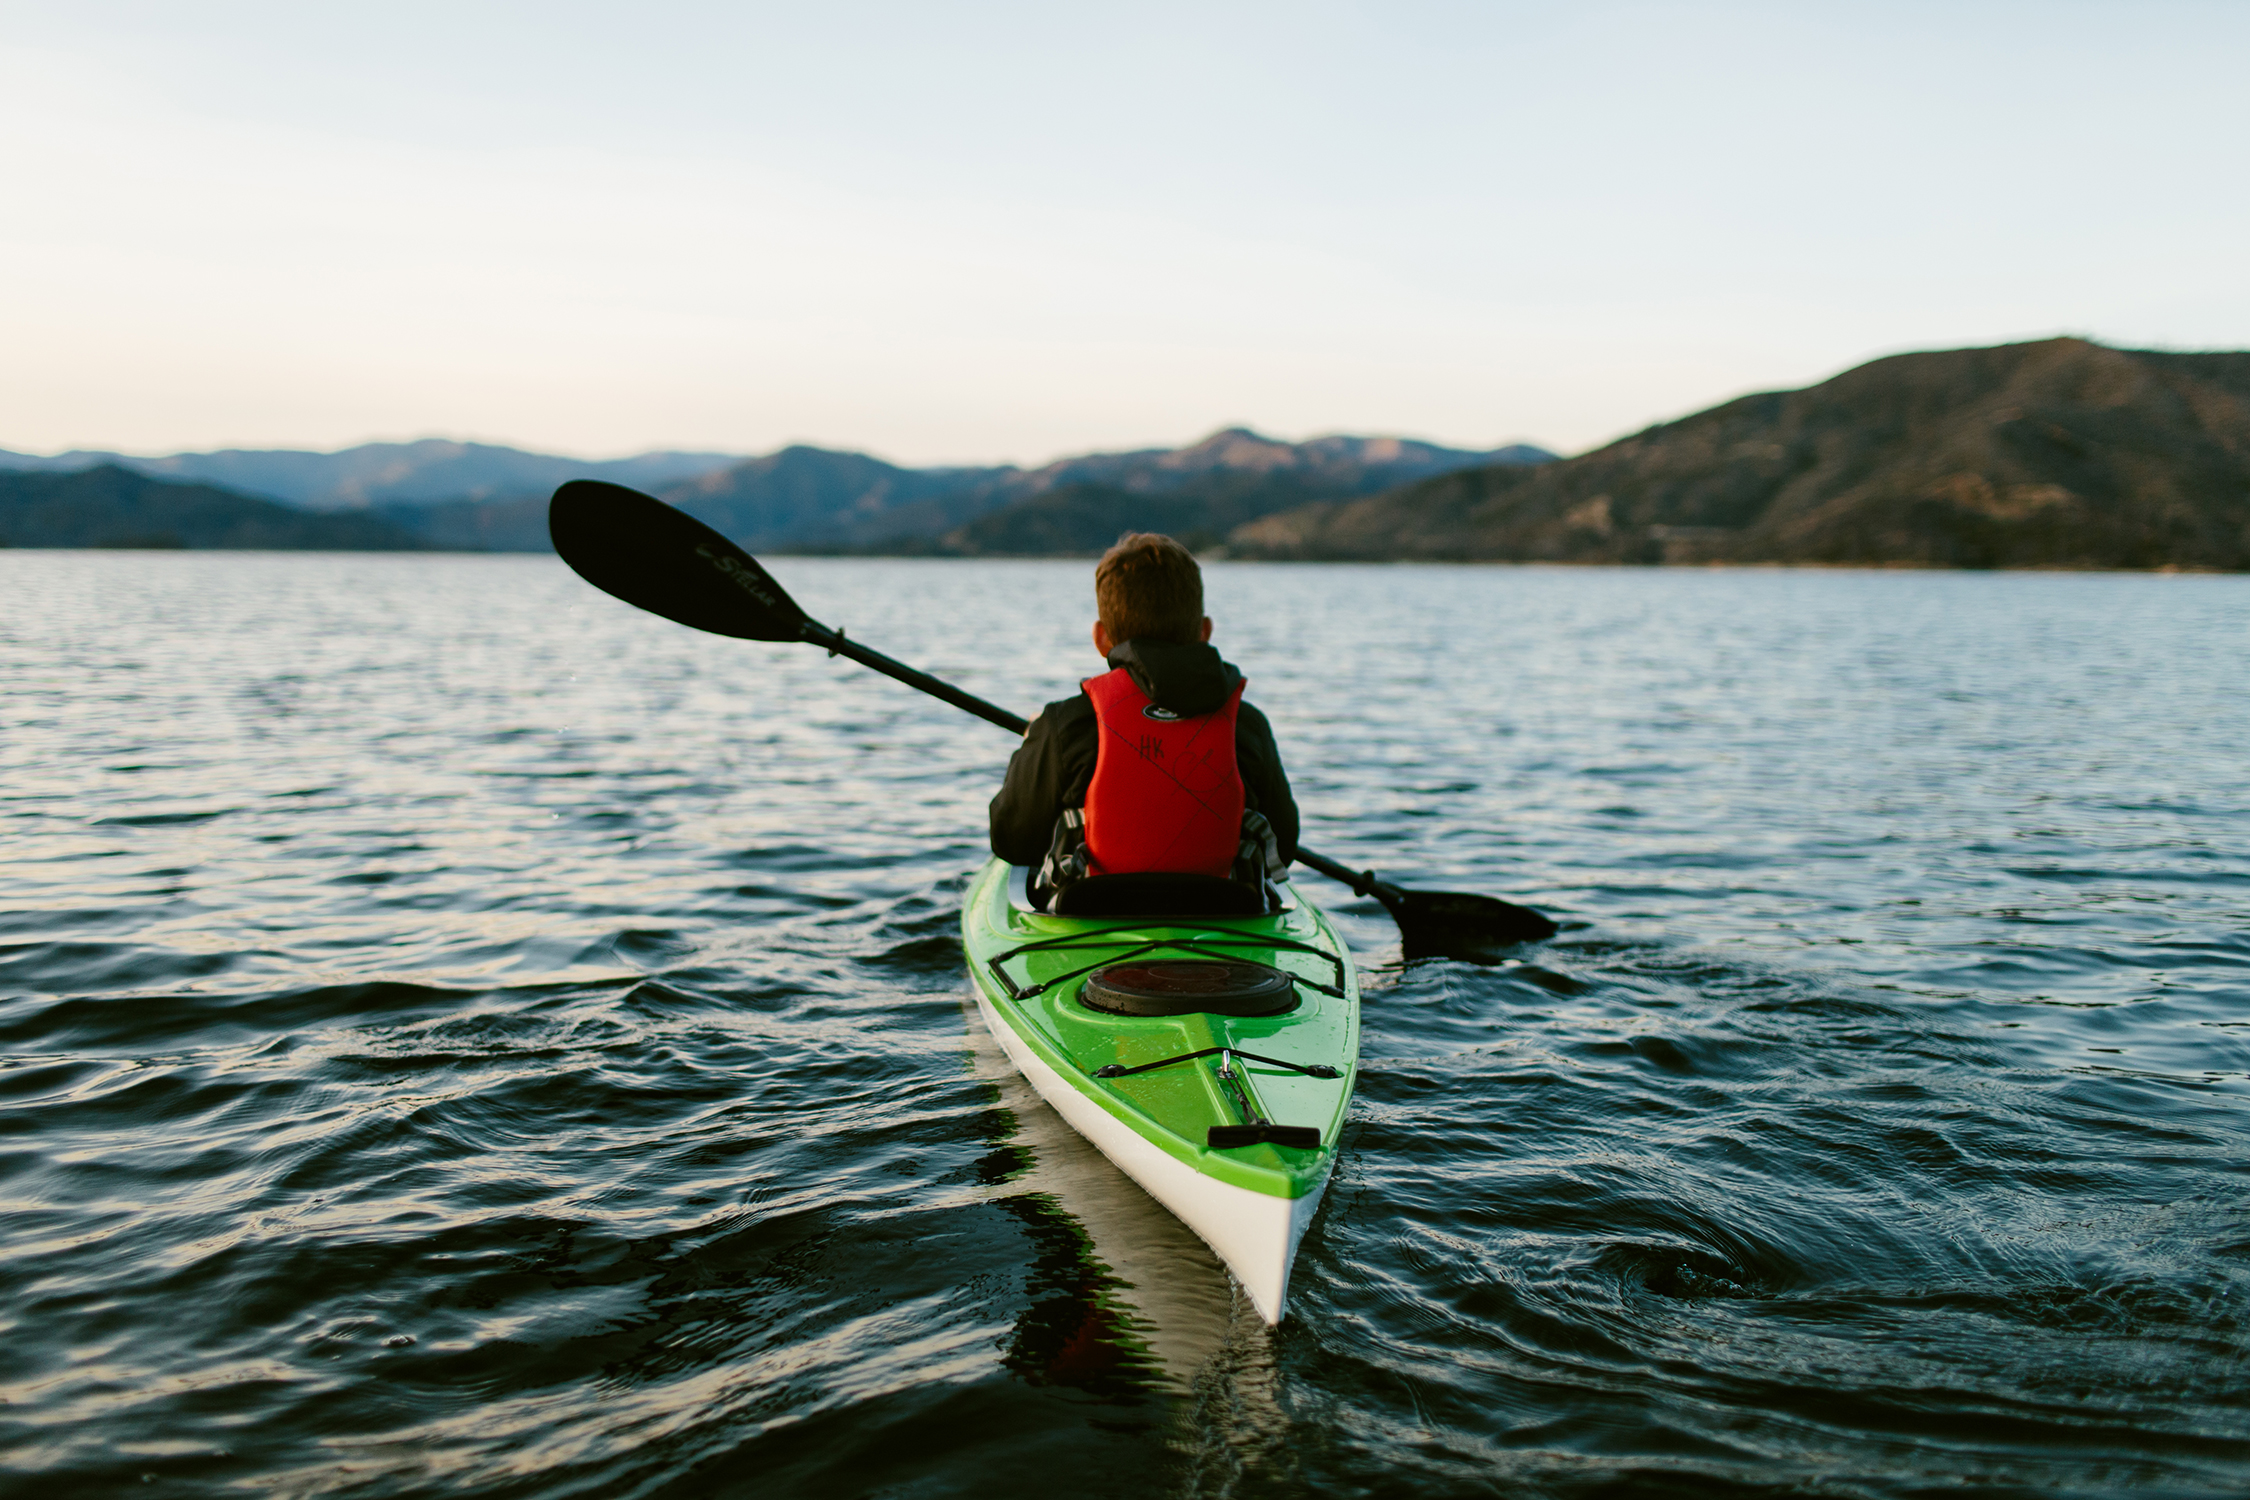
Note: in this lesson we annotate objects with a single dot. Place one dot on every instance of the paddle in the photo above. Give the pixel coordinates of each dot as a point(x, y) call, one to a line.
point(665, 561)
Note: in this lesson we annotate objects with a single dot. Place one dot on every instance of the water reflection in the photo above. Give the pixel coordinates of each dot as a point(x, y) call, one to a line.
point(1120, 1271)
point(1140, 1309)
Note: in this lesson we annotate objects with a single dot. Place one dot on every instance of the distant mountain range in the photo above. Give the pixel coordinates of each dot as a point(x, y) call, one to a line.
point(375, 474)
point(481, 498)
point(806, 499)
point(110, 506)
point(2056, 454)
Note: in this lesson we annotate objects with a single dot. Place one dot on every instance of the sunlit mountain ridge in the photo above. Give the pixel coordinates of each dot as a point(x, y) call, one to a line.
point(2060, 453)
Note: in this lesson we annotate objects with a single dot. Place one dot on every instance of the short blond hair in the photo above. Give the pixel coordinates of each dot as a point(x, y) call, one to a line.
point(1148, 588)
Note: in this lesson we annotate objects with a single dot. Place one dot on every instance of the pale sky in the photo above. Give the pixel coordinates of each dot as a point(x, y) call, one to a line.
point(986, 232)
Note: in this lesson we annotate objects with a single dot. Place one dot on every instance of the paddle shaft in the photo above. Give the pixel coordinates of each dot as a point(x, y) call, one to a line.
point(835, 643)
point(1362, 882)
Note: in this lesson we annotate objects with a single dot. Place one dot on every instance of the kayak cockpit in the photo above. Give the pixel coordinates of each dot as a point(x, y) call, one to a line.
point(1152, 895)
point(1115, 944)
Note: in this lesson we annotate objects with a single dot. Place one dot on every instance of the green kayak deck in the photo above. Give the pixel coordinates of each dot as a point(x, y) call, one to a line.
point(1029, 967)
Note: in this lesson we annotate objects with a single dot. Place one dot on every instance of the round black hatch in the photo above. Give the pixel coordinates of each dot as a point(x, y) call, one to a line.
point(1179, 987)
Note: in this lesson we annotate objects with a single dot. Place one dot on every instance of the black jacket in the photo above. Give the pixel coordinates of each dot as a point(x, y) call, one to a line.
point(1055, 764)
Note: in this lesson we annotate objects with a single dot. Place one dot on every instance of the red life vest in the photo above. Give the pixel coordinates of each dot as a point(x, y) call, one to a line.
point(1166, 794)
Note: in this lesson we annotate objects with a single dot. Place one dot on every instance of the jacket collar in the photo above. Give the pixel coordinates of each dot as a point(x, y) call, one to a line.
point(1187, 680)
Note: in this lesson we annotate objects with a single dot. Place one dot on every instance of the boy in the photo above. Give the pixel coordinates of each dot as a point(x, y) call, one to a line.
point(1158, 765)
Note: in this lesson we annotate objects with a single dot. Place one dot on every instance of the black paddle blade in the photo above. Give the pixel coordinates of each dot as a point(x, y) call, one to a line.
point(666, 561)
point(1442, 924)
point(1456, 924)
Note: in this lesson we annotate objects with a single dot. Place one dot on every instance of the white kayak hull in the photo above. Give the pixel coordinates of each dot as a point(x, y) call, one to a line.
point(1255, 1235)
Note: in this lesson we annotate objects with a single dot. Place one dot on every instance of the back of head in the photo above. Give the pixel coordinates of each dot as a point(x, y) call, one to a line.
point(1148, 588)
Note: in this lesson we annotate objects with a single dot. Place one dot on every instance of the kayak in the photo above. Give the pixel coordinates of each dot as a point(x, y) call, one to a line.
point(1210, 1058)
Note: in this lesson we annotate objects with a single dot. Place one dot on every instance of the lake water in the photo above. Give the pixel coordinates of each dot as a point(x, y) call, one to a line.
point(459, 1035)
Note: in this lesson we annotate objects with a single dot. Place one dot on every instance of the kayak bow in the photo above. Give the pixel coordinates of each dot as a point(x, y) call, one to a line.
point(1228, 1120)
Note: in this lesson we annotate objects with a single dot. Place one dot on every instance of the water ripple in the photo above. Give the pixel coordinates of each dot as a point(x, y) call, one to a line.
point(458, 1035)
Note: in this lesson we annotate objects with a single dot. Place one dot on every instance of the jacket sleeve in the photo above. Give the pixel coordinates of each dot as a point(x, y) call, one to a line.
point(1041, 777)
point(1263, 778)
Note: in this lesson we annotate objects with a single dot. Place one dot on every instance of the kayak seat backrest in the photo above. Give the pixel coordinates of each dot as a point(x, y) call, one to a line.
point(1159, 896)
